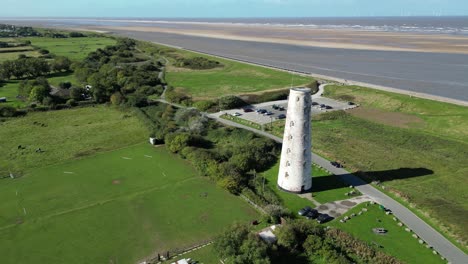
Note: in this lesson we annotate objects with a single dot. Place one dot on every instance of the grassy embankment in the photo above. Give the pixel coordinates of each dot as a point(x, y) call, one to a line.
point(407, 249)
point(117, 206)
point(232, 78)
point(74, 48)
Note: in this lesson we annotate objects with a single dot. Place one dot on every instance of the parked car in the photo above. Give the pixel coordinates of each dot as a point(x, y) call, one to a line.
point(281, 116)
point(315, 103)
point(350, 103)
point(304, 211)
point(275, 107)
point(268, 113)
point(281, 108)
point(322, 105)
point(328, 107)
point(312, 214)
point(336, 164)
point(236, 114)
point(323, 218)
point(248, 110)
point(261, 111)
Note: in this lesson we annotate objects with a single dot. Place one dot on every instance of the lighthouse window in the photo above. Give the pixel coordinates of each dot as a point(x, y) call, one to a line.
point(305, 151)
point(292, 123)
point(297, 99)
point(288, 150)
point(288, 164)
point(290, 137)
point(286, 175)
point(304, 164)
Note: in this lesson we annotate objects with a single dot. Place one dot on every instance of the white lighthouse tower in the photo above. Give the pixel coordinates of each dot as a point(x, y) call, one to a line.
point(296, 156)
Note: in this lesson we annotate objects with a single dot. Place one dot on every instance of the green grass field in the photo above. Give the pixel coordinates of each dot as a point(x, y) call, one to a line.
point(73, 48)
point(118, 207)
point(66, 134)
point(325, 188)
point(14, 55)
point(433, 151)
point(233, 78)
point(397, 242)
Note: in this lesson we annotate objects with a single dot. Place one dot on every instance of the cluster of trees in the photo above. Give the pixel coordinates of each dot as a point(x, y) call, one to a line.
point(118, 83)
point(297, 239)
point(226, 155)
point(37, 90)
point(32, 67)
point(17, 31)
point(238, 245)
point(197, 63)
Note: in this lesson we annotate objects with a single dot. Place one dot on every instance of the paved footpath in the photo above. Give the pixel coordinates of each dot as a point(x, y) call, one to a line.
point(445, 248)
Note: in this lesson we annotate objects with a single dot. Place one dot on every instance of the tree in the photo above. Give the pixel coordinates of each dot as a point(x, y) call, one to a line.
point(65, 85)
point(175, 142)
point(76, 35)
point(237, 245)
point(230, 102)
point(61, 63)
point(76, 93)
point(116, 98)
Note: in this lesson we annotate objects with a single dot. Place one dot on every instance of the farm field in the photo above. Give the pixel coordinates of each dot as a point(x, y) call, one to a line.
point(64, 135)
point(118, 207)
point(396, 241)
point(233, 78)
point(73, 48)
point(325, 188)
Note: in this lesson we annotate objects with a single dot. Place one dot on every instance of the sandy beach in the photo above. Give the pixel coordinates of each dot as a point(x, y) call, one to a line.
point(326, 38)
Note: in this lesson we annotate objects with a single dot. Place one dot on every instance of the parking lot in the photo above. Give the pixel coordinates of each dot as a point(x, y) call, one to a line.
point(275, 113)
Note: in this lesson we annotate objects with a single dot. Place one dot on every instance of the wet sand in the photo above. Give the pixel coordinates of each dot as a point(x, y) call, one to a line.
point(342, 39)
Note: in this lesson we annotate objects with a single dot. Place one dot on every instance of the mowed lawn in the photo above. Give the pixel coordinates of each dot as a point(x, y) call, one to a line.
point(233, 78)
point(64, 135)
point(325, 188)
point(114, 207)
point(396, 242)
point(73, 48)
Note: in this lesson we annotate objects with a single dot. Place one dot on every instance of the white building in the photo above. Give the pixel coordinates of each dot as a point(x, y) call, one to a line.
point(296, 156)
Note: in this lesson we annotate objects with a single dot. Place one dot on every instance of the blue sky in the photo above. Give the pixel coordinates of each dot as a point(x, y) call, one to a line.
point(229, 8)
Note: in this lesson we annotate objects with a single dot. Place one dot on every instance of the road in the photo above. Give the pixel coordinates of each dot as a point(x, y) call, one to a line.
point(443, 246)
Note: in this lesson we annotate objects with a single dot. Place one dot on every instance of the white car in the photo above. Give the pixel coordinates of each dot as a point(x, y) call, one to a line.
point(236, 114)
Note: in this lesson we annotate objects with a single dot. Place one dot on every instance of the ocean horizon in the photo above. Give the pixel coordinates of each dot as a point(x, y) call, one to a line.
point(455, 25)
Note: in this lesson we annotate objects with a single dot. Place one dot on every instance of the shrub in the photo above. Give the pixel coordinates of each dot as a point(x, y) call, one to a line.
point(72, 102)
point(205, 105)
point(7, 111)
point(230, 102)
point(197, 63)
point(65, 85)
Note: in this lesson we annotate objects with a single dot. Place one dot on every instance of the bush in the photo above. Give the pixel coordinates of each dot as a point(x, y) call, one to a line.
point(7, 111)
point(230, 102)
point(205, 105)
point(76, 35)
point(65, 85)
point(72, 102)
point(175, 142)
point(197, 63)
